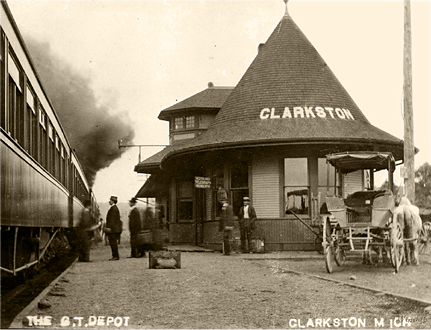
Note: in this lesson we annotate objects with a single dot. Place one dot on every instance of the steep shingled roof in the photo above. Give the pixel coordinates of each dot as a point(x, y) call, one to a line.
point(211, 98)
point(287, 72)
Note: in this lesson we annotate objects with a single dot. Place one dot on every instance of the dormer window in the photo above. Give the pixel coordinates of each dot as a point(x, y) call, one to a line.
point(186, 122)
point(190, 122)
point(179, 123)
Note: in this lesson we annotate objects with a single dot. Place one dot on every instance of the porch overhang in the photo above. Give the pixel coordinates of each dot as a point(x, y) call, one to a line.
point(155, 186)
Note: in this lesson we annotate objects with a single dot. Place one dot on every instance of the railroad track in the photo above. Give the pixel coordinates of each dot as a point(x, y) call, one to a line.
point(15, 297)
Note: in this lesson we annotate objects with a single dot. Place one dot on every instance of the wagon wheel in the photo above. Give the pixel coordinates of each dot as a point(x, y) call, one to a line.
point(328, 245)
point(339, 255)
point(424, 241)
point(397, 245)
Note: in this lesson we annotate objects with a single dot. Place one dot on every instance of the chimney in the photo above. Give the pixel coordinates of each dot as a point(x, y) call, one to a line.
point(260, 47)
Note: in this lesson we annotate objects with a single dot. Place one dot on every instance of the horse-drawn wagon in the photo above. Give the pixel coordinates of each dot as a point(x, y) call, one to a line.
point(364, 221)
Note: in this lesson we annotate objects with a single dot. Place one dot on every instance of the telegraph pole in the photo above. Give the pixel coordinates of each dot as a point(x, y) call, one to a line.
point(409, 152)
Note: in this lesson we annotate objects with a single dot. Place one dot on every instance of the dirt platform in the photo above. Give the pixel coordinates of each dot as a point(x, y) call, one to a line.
point(215, 291)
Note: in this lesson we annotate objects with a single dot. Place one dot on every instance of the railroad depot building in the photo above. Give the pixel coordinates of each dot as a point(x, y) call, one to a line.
point(265, 138)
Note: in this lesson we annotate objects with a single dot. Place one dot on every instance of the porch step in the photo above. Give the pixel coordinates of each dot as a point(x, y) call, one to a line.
point(188, 248)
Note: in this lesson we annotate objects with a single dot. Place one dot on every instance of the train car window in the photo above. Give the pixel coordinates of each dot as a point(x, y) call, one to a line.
point(43, 141)
point(13, 70)
point(75, 181)
point(50, 149)
point(15, 112)
point(34, 135)
point(50, 132)
point(30, 113)
point(62, 165)
point(68, 173)
point(57, 157)
point(3, 77)
point(21, 116)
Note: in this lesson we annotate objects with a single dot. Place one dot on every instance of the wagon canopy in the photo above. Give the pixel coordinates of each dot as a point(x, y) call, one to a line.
point(352, 161)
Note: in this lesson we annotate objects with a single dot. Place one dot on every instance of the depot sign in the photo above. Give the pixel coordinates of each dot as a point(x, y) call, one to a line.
point(306, 112)
point(202, 182)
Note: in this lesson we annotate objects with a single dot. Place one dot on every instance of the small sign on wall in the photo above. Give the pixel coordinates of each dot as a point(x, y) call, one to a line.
point(202, 182)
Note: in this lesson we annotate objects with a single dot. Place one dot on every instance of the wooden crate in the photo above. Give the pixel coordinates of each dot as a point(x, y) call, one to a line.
point(258, 245)
point(165, 259)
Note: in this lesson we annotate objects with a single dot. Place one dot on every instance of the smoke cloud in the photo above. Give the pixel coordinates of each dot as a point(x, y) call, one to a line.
point(92, 130)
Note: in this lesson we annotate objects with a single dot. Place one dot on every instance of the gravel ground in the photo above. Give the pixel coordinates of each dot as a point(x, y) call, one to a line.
point(215, 291)
point(411, 281)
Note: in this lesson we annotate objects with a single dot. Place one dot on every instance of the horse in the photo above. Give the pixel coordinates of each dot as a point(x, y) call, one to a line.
point(408, 217)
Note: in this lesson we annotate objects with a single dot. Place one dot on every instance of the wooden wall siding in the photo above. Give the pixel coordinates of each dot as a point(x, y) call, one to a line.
point(266, 187)
point(182, 233)
point(284, 230)
point(353, 182)
point(278, 234)
point(43, 203)
point(211, 234)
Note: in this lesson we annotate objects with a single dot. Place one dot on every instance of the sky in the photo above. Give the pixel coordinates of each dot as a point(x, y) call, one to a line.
point(144, 56)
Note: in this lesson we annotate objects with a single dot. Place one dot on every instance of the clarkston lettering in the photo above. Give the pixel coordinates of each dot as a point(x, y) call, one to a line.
point(306, 112)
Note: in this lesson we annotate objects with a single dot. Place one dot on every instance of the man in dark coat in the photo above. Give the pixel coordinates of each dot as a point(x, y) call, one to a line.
point(114, 227)
point(226, 225)
point(135, 226)
point(85, 229)
point(246, 217)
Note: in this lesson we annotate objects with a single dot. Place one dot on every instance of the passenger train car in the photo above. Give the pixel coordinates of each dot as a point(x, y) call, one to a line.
point(43, 185)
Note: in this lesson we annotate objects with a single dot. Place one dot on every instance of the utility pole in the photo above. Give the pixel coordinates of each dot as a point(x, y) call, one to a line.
point(409, 149)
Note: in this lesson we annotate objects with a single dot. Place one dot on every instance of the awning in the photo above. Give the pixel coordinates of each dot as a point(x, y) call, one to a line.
point(155, 186)
point(352, 161)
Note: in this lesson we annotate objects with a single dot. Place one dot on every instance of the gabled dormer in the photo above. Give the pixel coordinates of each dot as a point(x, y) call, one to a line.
point(190, 117)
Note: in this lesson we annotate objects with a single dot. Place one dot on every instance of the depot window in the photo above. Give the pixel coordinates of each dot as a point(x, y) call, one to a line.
point(324, 183)
point(239, 185)
point(296, 187)
point(184, 122)
point(179, 123)
point(190, 122)
point(185, 200)
point(217, 182)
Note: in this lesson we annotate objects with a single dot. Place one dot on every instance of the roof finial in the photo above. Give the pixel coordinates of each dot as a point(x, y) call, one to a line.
point(286, 13)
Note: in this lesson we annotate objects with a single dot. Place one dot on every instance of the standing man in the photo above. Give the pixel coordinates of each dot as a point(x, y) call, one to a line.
point(135, 226)
point(247, 217)
point(114, 227)
point(226, 225)
point(85, 228)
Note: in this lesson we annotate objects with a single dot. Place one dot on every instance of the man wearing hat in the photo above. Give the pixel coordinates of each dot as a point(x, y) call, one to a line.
point(226, 224)
point(135, 226)
point(114, 227)
point(247, 217)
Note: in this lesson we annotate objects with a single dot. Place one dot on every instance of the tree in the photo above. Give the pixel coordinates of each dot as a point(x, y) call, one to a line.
point(423, 186)
point(385, 186)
